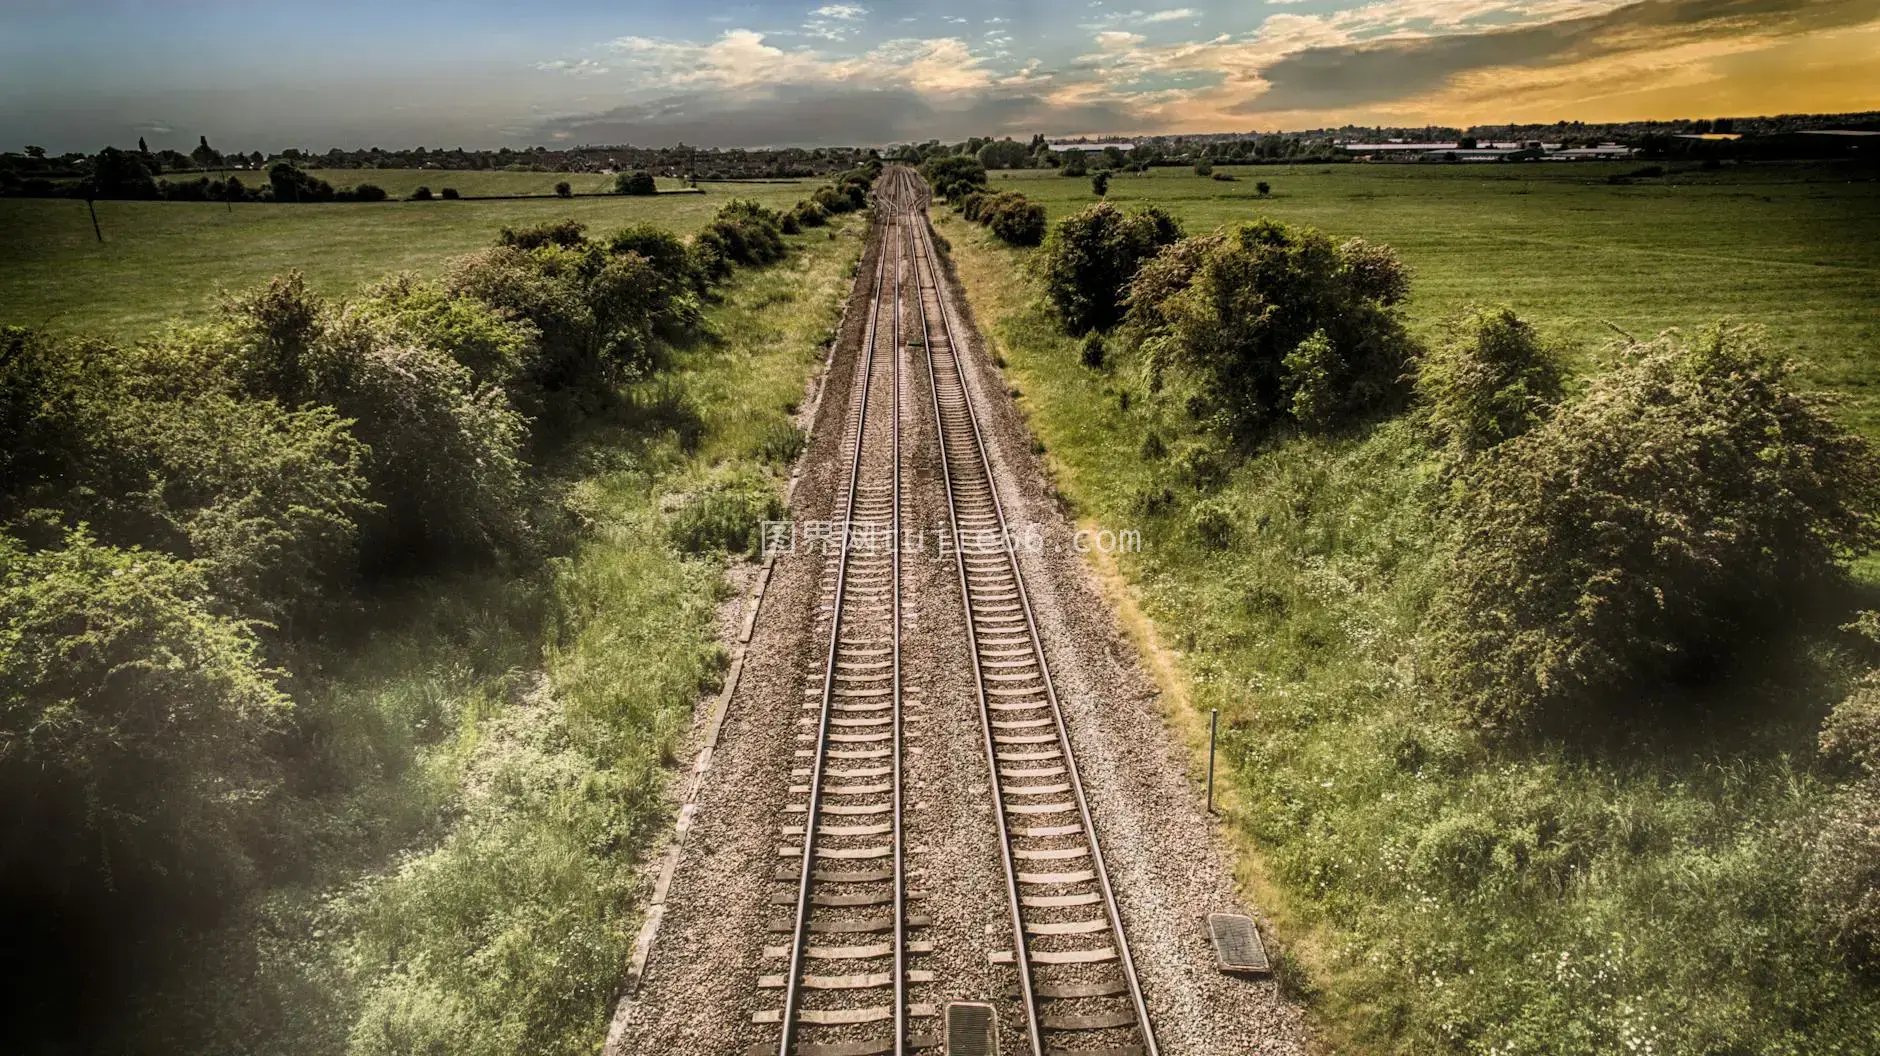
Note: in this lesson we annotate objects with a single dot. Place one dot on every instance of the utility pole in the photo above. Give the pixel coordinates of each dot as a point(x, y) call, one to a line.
point(91, 205)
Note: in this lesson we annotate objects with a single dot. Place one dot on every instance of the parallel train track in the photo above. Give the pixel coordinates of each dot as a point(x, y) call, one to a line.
point(846, 990)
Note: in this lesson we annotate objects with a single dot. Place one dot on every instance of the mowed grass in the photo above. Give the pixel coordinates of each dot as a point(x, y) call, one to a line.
point(167, 260)
point(1793, 247)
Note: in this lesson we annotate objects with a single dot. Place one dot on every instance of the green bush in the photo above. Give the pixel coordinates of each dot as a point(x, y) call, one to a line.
point(266, 500)
point(494, 347)
point(1488, 381)
point(636, 183)
point(444, 467)
point(1091, 256)
point(1456, 852)
point(1270, 322)
point(131, 733)
point(743, 233)
point(1646, 531)
point(1843, 882)
point(810, 214)
point(1017, 220)
point(675, 271)
point(565, 233)
point(1013, 218)
point(1093, 351)
point(1214, 522)
point(595, 312)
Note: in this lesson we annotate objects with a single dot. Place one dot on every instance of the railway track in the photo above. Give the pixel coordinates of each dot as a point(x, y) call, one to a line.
point(846, 987)
point(850, 984)
point(1077, 987)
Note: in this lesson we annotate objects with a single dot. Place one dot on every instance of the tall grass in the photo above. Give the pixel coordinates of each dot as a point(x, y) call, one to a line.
point(1435, 892)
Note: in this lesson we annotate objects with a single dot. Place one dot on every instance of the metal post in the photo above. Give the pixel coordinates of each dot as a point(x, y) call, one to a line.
point(1214, 725)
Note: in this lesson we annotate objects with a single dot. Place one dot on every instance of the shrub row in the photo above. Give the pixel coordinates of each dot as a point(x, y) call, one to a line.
point(180, 518)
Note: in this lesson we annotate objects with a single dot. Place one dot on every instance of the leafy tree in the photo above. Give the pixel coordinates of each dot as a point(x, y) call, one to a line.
point(1688, 500)
point(121, 174)
point(1264, 188)
point(1202, 168)
point(1100, 184)
point(1004, 154)
point(1489, 381)
point(564, 189)
point(1074, 165)
point(1272, 322)
point(1090, 257)
point(422, 194)
point(289, 184)
point(636, 183)
point(449, 194)
point(953, 176)
point(206, 156)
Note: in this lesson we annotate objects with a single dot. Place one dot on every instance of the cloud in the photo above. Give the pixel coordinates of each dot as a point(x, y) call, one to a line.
point(1389, 61)
point(575, 68)
point(834, 21)
point(1399, 67)
point(814, 115)
point(744, 59)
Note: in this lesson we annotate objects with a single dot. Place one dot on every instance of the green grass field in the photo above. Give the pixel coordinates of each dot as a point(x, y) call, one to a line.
point(164, 260)
point(1793, 247)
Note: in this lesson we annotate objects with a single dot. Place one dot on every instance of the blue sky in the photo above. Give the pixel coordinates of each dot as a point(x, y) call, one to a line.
point(80, 74)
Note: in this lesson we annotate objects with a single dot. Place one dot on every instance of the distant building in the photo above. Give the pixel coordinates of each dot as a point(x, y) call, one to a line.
point(1486, 150)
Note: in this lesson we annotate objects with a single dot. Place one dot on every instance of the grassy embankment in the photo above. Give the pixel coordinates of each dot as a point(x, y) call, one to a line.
point(162, 260)
point(1435, 892)
point(476, 886)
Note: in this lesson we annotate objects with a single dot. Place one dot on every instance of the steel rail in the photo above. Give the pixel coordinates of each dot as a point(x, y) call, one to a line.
point(924, 252)
point(793, 982)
